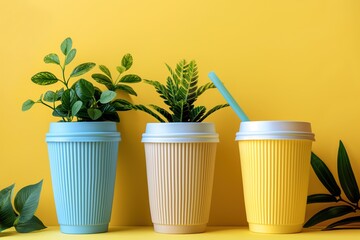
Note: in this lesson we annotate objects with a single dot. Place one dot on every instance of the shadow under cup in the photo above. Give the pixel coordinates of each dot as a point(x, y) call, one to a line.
point(275, 162)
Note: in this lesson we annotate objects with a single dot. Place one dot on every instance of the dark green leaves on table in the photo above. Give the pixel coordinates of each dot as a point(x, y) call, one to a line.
point(346, 176)
point(348, 186)
point(83, 100)
point(26, 202)
point(324, 175)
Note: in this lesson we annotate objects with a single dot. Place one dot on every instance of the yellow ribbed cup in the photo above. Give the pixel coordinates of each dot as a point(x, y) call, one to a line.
point(275, 175)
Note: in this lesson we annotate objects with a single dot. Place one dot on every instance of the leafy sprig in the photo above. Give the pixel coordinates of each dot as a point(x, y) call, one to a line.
point(121, 81)
point(26, 202)
point(82, 100)
point(348, 205)
point(179, 95)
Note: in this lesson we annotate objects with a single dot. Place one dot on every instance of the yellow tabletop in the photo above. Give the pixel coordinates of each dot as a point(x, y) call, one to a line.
point(212, 233)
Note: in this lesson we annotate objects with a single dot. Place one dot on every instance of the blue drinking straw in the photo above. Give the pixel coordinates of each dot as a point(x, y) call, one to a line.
point(233, 104)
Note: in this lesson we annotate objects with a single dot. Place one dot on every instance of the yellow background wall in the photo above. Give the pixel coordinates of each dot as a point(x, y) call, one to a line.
point(281, 59)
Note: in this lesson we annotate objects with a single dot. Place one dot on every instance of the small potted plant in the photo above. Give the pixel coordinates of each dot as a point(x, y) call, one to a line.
point(83, 145)
point(180, 153)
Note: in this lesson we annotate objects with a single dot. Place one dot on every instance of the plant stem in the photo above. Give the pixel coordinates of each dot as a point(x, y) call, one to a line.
point(117, 79)
point(52, 108)
point(47, 105)
point(63, 75)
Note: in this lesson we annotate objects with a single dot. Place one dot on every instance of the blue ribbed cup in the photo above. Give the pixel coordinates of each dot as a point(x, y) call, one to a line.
point(83, 157)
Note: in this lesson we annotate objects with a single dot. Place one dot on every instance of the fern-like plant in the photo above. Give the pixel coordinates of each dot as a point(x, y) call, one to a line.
point(180, 94)
point(344, 206)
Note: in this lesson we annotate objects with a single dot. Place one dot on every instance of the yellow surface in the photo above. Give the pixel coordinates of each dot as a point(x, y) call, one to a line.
point(281, 59)
point(212, 233)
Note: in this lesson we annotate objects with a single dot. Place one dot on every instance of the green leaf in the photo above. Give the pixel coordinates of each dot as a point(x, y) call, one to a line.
point(126, 89)
point(343, 222)
point(127, 61)
point(97, 93)
point(76, 108)
point(107, 96)
point(44, 78)
point(59, 111)
point(172, 92)
point(27, 105)
point(68, 99)
point(6, 191)
point(130, 78)
point(121, 105)
point(111, 116)
point(161, 89)
point(147, 110)
point(31, 225)
point(70, 56)
point(178, 111)
point(177, 75)
point(103, 79)
point(205, 87)
point(324, 175)
point(59, 93)
point(94, 114)
point(7, 214)
point(109, 113)
point(50, 96)
point(346, 175)
point(66, 46)
point(321, 198)
point(189, 82)
point(196, 113)
point(120, 69)
point(105, 70)
point(27, 201)
point(82, 69)
point(328, 213)
point(211, 111)
point(52, 58)
point(83, 115)
point(163, 112)
point(84, 89)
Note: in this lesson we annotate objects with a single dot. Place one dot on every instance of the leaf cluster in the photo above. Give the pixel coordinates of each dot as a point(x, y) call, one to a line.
point(82, 100)
point(26, 202)
point(348, 186)
point(179, 95)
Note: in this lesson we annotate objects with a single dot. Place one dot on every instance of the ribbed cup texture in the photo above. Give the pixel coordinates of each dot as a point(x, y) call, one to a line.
point(275, 178)
point(180, 179)
point(83, 178)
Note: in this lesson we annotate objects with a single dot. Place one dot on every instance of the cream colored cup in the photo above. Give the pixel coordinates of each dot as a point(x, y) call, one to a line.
point(275, 162)
point(180, 162)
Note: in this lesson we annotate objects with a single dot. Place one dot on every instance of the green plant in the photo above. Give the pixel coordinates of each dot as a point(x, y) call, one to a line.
point(26, 202)
point(179, 94)
point(348, 205)
point(82, 100)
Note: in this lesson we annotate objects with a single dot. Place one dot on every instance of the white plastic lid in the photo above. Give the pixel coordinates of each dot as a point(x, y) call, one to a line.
point(259, 130)
point(83, 132)
point(180, 132)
